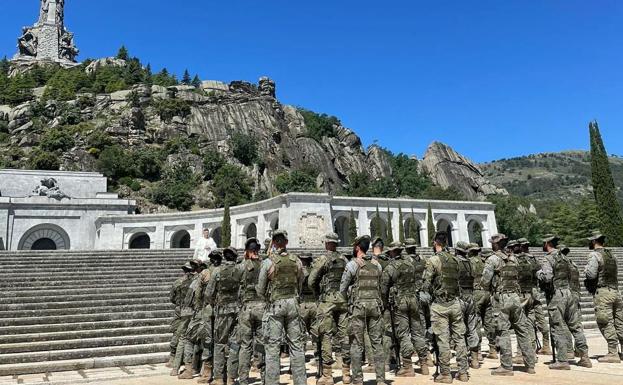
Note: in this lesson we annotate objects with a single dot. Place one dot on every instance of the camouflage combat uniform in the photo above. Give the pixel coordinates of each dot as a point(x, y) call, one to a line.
point(282, 275)
point(602, 266)
point(466, 283)
point(366, 313)
point(441, 280)
point(482, 303)
point(500, 276)
point(177, 294)
point(308, 306)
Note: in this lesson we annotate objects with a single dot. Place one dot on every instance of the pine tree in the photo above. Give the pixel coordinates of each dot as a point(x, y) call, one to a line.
point(4, 66)
point(401, 229)
point(431, 224)
point(147, 74)
point(389, 236)
point(196, 82)
point(123, 53)
point(352, 227)
point(605, 190)
point(226, 228)
point(186, 78)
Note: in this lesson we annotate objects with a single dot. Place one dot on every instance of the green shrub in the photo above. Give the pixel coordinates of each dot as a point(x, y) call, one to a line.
point(131, 183)
point(319, 125)
point(174, 191)
point(115, 163)
point(296, 181)
point(43, 160)
point(244, 148)
point(99, 140)
point(231, 186)
point(149, 163)
point(212, 163)
point(57, 139)
point(169, 108)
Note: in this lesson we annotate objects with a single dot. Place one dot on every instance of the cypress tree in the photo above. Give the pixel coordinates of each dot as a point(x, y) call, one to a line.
point(390, 232)
point(376, 224)
point(431, 224)
point(604, 189)
point(226, 228)
point(352, 227)
point(413, 231)
point(401, 229)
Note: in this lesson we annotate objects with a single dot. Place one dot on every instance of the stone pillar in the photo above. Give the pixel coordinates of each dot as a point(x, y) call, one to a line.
point(395, 220)
point(461, 228)
point(424, 236)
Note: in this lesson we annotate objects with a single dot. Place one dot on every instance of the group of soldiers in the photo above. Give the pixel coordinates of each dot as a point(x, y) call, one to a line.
point(385, 306)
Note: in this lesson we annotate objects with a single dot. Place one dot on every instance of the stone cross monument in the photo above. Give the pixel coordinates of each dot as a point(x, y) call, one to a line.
point(48, 39)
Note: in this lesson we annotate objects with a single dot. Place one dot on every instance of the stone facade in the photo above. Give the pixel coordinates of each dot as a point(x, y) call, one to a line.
point(77, 213)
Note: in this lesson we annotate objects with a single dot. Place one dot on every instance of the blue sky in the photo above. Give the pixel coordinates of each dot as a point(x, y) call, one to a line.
point(491, 78)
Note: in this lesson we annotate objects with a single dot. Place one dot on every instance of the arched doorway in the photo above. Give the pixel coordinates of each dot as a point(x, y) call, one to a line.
point(251, 231)
point(45, 236)
point(378, 228)
point(444, 225)
point(342, 229)
point(474, 230)
point(139, 241)
point(180, 240)
point(412, 229)
point(216, 235)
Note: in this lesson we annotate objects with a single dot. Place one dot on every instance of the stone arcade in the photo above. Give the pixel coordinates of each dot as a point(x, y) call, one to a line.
point(73, 211)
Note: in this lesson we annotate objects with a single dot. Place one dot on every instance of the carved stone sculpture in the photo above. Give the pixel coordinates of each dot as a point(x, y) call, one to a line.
point(68, 50)
point(27, 43)
point(49, 188)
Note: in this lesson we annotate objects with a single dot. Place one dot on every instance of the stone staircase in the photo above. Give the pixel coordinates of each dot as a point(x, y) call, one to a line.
point(81, 310)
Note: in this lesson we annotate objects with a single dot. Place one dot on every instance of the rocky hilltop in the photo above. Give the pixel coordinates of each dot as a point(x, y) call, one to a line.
point(71, 129)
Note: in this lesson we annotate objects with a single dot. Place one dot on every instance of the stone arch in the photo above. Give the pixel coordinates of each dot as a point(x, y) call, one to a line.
point(417, 226)
point(474, 231)
point(446, 225)
point(45, 236)
point(250, 230)
point(216, 234)
point(139, 240)
point(341, 228)
point(180, 240)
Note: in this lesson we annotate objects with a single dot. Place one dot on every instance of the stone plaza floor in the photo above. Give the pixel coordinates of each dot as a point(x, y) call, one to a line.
point(600, 374)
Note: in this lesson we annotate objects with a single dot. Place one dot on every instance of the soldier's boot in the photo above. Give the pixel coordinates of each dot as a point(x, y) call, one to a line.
point(502, 371)
point(174, 372)
point(493, 353)
point(424, 366)
point(585, 362)
point(407, 368)
point(327, 376)
point(560, 366)
point(571, 356)
point(530, 370)
point(171, 361)
point(346, 377)
point(518, 359)
point(231, 381)
point(188, 372)
point(474, 364)
point(206, 373)
point(463, 377)
point(546, 349)
point(610, 358)
point(444, 379)
point(429, 361)
point(218, 381)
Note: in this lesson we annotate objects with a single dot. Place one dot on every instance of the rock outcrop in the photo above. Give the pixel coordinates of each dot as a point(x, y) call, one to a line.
point(447, 168)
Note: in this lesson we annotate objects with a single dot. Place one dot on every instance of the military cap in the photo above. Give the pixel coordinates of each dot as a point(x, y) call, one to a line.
point(331, 237)
point(378, 240)
point(305, 256)
point(512, 243)
point(215, 254)
point(230, 250)
point(462, 246)
point(550, 238)
point(473, 247)
point(523, 241)
point(564, 249)
point(596, 235)
point(410, 243)
point(187, 266)
point(203, 264)
point(486, 252)
point(495, 238)
point(360, 239)
point(395, 246)
point(194, 263)
point(252, 244)
point(280, 232)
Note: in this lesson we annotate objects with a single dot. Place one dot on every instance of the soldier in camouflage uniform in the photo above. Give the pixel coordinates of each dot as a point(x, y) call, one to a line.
point(482, 299)
point(378, 251)
point(466, 282)
point(332, 322)
point(363, 274)
point(222, 292)
point(575, 287)
point(280, 280)
point(500, 277)
point(177, 295)
point(400, 295)
point(250, 318)
point(188, 347)
point(308, 304)
point(441, 289)
point(602, 271)
point(561, 306)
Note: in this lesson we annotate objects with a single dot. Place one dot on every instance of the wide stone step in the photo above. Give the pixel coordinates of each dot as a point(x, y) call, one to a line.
point(69, 278)
point(43, 313)
point(84, 363)
point(78, 334)
point(83, 290)
point(79, 326)
point(85, 269)
point(84, 343)
point(84, 317)
point(45, 299)
point(86, 284)
point(79, 305)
